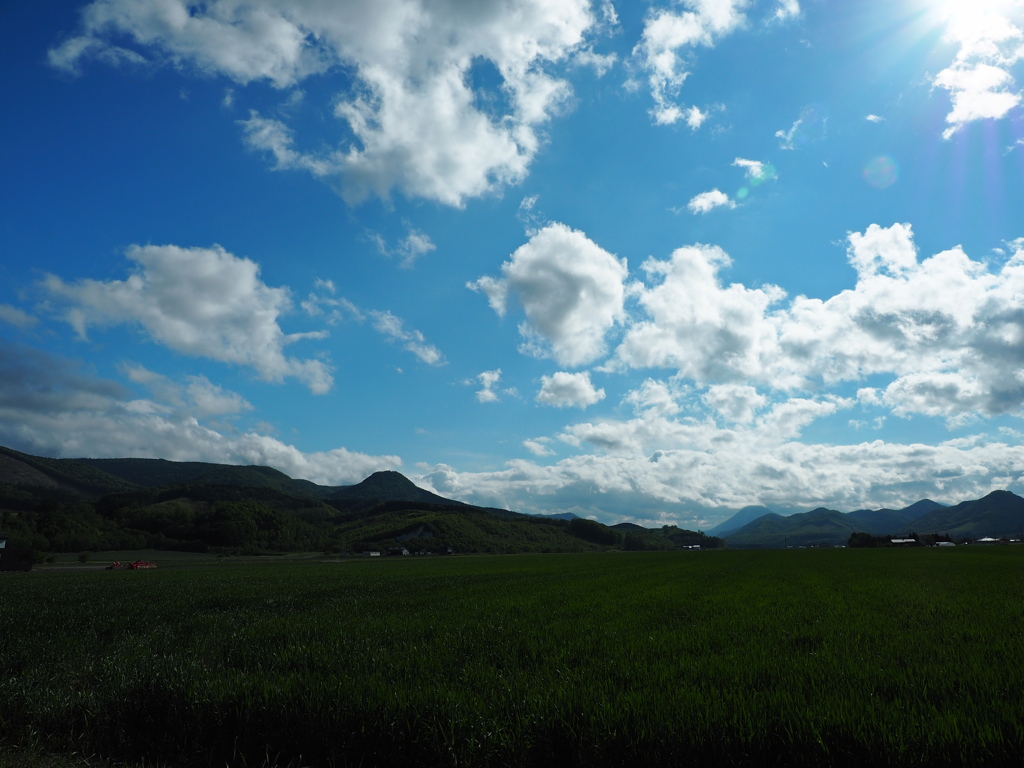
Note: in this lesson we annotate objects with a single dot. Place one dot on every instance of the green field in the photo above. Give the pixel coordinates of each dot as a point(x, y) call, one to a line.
point(803, 657)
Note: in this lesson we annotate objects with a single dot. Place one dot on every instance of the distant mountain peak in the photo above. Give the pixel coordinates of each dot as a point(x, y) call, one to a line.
point(388, 485)
point(389, 478)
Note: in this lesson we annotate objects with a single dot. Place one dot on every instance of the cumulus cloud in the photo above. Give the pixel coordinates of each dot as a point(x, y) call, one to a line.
point(654, 397)
point(668, 35)
point(979, 80)
point(707, 201)
point(412, 341)
point(488, 381)
point(203, 302)
point(709, 333)
point(948, 330)
point(657, 469)
point(409, 107)
point(564, 390)
point(49, 407)
point(695, 118)
point(571, 290)
point(736, 402)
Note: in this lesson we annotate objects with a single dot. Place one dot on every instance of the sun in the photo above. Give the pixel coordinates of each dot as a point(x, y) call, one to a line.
point(981, 27)
point(971, 13)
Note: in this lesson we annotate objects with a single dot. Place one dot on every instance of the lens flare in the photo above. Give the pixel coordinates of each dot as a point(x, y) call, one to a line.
point(881, 172)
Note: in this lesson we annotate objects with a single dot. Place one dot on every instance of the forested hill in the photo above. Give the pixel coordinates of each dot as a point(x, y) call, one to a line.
point(75, 505)
point(999, 514)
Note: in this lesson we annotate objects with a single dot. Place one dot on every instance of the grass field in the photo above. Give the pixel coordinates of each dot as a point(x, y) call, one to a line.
point(803, 657)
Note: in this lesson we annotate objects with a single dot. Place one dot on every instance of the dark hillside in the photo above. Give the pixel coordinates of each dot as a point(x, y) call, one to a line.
point(72, 473)
point(817, 527)
point(880, 522)
point(922, 507)
point(741, 518)
point(388, 486)
point(1000, 514)
point(154, 473)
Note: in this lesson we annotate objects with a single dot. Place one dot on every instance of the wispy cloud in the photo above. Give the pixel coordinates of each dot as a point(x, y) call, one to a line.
point(412, 341)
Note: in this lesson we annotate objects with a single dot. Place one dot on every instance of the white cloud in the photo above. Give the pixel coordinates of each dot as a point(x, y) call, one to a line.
point(667, 35)
point(333, 310)
point(539, 446)
point(875, 119)
point(198, 397)
point(695, 118)
point(979, 80)
point(488, 381)
point(753, 168)
point(47, 407)
point(410, 112)
point(978, 92)
point(947, 329)
point(412, 341)
point(19, 318)
point(496, 291)
point(409, 248)
point(658, 470)
point(736, 402)
point(926, 324)
point(891, 250)
point(564, 390)
point(571, 290)
point(707, 201)
point(601, 62)
point(787, 9)
point(710, 333)
point(202, 302)
point(810, 126)
point(654, 397)
point(947, 394)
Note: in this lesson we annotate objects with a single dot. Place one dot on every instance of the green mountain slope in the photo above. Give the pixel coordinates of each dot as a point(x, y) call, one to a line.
point(879, 522)
point(154, 473)
point(388, 486)
point(741, 518)
point(52, 505)
point(819, 526)
point(72, 473)
point(1000, 514)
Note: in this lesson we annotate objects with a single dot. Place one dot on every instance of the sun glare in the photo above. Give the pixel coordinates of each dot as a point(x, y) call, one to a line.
point(969, 14)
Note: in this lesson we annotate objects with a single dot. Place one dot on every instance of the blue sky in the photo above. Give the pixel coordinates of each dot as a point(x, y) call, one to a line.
point(639, 261)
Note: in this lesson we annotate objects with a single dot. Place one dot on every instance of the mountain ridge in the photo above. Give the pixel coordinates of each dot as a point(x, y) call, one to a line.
point(61, 505)
point(1000, 514)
